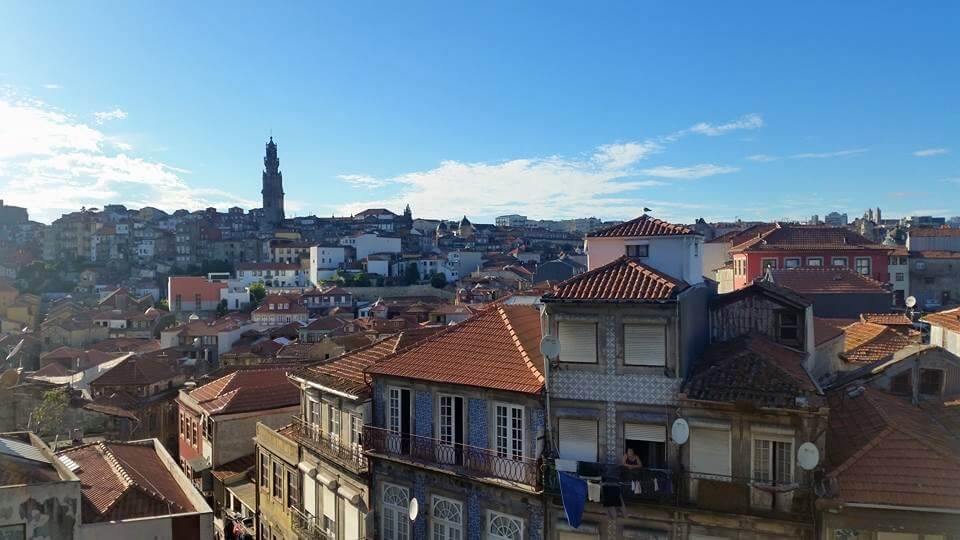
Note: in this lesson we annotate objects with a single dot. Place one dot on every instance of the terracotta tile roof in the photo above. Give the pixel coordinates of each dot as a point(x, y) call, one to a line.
point(641, 226)
point(53, 369)
point(497, 348)
point(886, 451)
point(211, 327)
point(949, 319)
point(752, 368)
point(887, 319)
point(825, 280)
point(869, 342)
point(735, 238)
point(825, 329)
point(190, 286)
point(933, 232)
point(248, 390)
point(935, 254)
point(326, 323)
point(346, 372)
point(293, 303)
point(807, 237)
point(136, 371)
point(622, 279)
point(235, 467)
point(124, 481)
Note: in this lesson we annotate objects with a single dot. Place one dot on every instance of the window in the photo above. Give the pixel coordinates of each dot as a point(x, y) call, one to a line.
point(901, 384)
point(814, 261)
point(931, 382)
point(920, 265)
point(641, 250)
point(578, 439)
point(395, 523)
point(768, 263)
point(788, 327)
point(863, 266)
point(264, 471)
point(773, 461)
point(898, 276)
point(394, 412)
point(644, 345)
point(293, 488)
point(791, 262)
point(509, 419)
point(648, 442)
point(504, 527)
point(356, 431)
point(333, 423)
point(710, 451)
point(277, 480)
point(197, 302)
point(839, 261)
point(578, 342)
point(447, 519)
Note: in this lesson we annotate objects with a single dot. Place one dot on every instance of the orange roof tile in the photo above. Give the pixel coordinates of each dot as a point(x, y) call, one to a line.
point(805, 237)
point(886, 451)
point(825, 329)
point(949, 319)
point(136, 371)
point(248, 390)
point(498, 348)
point(869, 342)
point(622, 279)
point(641, 226)
point(887, 319)
point(826, 280)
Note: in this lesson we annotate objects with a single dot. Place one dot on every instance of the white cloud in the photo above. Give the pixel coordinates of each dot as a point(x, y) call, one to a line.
point(362, 181)
point(930, 152)
point(762, 158)
point(52, 86)
point(688, 173)
point(53, 163)
point(748, 121)
point(620, 155)
point(105, 116)
point(766, 158)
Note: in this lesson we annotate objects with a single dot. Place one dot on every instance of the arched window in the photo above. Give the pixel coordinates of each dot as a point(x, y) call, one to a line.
point(447, 520)
point(504, 527)
point(396, 502)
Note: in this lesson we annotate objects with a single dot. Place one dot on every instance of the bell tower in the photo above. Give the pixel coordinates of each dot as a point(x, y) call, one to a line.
point(272, 188)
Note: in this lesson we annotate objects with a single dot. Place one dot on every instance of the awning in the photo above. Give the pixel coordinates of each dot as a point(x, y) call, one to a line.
point(198, 464)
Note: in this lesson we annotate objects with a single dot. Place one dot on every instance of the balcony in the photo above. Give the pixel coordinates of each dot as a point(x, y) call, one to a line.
point(308, 527)
point(479, 463)
point(347, 455)
point(694, 491)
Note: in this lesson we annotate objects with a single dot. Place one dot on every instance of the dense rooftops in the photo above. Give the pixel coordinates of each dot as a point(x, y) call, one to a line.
point(642, 226)
point(825, 279)
point(248, 390)
point(806, 237)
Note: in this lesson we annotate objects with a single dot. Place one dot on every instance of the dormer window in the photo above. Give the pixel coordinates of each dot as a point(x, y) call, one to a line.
point(788, 327)
point(638, 250)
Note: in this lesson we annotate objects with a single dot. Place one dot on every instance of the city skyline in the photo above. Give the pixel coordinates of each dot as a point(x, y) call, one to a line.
point(719, 119)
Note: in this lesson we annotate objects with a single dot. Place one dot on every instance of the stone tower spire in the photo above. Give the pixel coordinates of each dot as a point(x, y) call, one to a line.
point(272, 188)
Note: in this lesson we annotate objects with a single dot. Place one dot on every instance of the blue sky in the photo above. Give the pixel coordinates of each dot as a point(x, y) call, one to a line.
point(721, 110)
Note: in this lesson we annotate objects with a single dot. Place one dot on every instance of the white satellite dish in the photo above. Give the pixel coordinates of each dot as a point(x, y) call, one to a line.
point(910, 301)
point(808, 456)
point(680, 431)
point(550, 347)
point(414, 509)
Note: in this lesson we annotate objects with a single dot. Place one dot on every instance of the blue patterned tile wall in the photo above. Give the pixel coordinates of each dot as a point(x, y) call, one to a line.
point(423, 415)
point(474, 517)
point(537, 428)
point(477, 422)
point(535, 522)
point(379, 399)
point(420, 492)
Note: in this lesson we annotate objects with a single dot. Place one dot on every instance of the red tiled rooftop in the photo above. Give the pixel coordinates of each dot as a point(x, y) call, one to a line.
point(622, 279)
point(124, 481)
point(498, 348)
point(807, 237)
point(886, 451)
point(886, 319)
point(949, 319)
point(136, 371)
point(941, 232)
point(825, 280)
point(248, 390)
point(826, 329)
point(642, 226)
point(735, 238)
point(870, 342)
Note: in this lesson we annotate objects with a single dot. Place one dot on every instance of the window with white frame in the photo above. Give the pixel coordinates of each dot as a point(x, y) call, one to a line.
point(356, 431)
point(509, 431)
point(578, 341)
point(395, 522)
point(814, 261)
point(393, 411)
point(333, 423)
point(503, 526)
point(839, 261)
point(772, 459)
point(791, 262)
point(863, 266)
point(446, 519)
point(644, 345)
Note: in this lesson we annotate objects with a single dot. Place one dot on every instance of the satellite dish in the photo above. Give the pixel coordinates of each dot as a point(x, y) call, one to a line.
point(808, 456)
point(550, 347)
point(680, 431)
point(910, 301)
point(414, 509)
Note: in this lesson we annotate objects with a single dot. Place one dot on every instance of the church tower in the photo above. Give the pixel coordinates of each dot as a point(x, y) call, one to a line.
point(272, 188)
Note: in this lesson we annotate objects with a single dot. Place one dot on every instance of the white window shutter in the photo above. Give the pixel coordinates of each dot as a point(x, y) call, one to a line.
point(329, 503)
point(351, 522)
point(645, 432)
point(578, 439)
point(309, 495)
point(578, 341)
point(710, 451)
point(644, 345)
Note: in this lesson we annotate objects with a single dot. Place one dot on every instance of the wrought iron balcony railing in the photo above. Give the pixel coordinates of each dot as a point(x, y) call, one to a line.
point(481, 463)
point(311, 435)
point(308, 527)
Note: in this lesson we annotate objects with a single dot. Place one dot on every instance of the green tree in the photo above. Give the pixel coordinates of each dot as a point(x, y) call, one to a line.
point(411, 275)
point(162, 304)
point(47, 418)
point(361, 280)
point(438, 280)
point(257, 292)
point(222, 308)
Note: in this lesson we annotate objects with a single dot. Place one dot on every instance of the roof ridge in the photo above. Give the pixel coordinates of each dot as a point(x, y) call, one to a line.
point(520, 348)
point(854, 457)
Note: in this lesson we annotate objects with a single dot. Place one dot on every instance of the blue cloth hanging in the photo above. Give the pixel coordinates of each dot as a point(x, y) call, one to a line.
point(573, 491)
